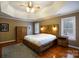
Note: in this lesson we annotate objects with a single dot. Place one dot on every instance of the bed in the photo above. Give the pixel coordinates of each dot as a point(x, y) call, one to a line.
point(39, 42)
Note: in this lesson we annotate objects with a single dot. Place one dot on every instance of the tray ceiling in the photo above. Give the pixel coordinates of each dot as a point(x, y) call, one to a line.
point(47, 8)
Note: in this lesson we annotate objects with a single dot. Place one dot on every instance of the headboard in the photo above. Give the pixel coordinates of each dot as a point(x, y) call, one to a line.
point(50, 29)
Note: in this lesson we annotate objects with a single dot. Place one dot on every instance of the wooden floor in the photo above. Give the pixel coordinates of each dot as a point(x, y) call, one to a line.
point(60, 52)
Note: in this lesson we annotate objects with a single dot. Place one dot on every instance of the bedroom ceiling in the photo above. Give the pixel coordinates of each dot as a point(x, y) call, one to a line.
point(17, 5)
point(14, 10)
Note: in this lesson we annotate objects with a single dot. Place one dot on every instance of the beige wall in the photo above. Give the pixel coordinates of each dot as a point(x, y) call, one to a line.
point(5, 36)
point(76, 42)
point(50, 21)
point(57, 20)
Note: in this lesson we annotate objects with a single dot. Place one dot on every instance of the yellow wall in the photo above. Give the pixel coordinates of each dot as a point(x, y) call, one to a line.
point(57, 20)
point(50, 21)
point(5, 36)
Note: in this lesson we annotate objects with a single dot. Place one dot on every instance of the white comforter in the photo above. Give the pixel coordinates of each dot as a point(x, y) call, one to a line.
point(40, 39)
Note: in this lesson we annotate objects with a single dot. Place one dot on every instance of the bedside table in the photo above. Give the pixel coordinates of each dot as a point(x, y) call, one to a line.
point(62, 41)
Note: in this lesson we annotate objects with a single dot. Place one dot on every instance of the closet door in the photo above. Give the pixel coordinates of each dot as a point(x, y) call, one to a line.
point(68, 27)
point(20, 33)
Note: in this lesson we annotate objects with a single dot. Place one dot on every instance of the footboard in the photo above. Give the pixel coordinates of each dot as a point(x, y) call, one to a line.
point(39, 48)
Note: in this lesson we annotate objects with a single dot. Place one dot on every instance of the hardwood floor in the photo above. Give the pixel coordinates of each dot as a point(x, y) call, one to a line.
point(52, 52)
point(60, 52)
point(0, 52)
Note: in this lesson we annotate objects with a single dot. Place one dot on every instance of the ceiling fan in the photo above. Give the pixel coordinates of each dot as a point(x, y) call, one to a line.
point(30, 7)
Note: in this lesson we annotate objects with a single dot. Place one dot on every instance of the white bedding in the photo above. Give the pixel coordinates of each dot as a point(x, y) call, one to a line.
point(40, 39)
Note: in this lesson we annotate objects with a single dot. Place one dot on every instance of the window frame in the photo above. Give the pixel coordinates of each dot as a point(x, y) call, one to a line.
point(74, 27)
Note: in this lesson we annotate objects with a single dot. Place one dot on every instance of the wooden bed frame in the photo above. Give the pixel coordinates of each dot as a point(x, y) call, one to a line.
point(45, 46)
point(39, 49)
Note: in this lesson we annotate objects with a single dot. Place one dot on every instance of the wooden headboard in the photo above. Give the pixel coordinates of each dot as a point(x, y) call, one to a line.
point(49, 29)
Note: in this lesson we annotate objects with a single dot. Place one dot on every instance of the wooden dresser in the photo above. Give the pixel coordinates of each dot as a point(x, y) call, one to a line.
point(20, 33)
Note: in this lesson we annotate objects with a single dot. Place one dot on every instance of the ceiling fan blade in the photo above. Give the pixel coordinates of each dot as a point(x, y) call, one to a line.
point(37, 6)
point(23, 4)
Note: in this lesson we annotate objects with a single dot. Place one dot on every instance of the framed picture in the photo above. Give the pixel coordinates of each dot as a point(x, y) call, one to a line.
point(4, 27)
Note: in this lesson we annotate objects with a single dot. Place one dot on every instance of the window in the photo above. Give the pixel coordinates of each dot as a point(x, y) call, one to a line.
point(37, 28)
point(68, 27)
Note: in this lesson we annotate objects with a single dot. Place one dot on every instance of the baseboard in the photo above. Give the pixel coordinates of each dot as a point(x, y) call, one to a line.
point(6, 43)
point(73, 46)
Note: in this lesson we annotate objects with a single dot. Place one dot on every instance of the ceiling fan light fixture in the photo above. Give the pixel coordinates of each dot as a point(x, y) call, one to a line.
point(28, 9)
point(30, 4)
point(33, 10)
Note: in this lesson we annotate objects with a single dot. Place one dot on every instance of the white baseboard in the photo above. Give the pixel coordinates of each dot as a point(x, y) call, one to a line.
point(73, 46)
point(6, 41)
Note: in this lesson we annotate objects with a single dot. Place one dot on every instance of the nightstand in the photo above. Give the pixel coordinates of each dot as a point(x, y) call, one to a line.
point(62, 41)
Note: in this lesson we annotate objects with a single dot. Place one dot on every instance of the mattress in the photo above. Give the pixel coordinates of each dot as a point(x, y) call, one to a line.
point(40, 39)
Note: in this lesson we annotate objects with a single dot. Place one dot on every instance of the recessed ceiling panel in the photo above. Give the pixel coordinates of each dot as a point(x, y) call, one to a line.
point(18, 4)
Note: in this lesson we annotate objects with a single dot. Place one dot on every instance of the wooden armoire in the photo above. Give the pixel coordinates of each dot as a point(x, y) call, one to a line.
point(20, 33)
